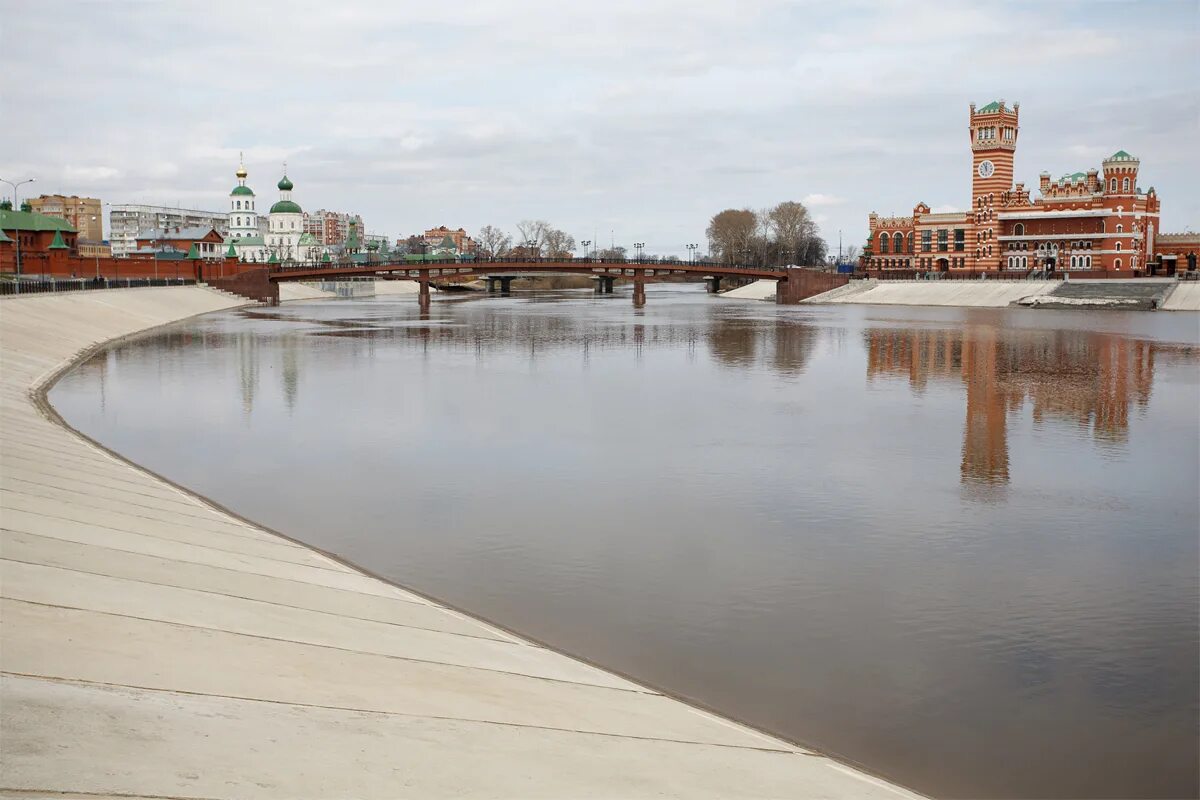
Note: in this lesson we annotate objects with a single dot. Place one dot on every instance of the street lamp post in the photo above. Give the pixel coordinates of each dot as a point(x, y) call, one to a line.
point(692, 253)
point(586, 243)
point(638, 246)
point(17, 207)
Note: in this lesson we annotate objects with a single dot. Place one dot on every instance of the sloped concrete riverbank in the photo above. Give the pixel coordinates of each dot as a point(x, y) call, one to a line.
point(1168, 295)
point(154, 645)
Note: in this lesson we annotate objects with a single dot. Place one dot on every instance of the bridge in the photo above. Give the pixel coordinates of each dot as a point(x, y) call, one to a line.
point(262, 284)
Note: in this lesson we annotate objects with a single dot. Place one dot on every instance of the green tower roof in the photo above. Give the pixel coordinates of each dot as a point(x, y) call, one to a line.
point(1121, 155)
point(242, 190)
point(284, 184)
point(990, 108)
point(286, 207)
point(58, 243)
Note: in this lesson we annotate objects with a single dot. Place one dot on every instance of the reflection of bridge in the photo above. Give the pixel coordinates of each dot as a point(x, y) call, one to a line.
point(501, 271)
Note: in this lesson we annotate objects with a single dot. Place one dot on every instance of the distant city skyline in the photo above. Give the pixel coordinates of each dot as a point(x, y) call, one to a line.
point(624, 121)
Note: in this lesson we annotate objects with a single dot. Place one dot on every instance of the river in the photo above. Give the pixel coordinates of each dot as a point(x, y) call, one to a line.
point(956, 546)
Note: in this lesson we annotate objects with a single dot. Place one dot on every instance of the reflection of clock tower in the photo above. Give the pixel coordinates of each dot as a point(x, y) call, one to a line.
point(993, 143)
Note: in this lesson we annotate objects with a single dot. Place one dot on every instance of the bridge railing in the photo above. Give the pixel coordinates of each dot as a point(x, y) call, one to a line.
point(479, 264)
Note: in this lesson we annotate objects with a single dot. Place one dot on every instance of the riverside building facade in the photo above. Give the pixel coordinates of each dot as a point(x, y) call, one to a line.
point(1096, 220)
point(126, 222)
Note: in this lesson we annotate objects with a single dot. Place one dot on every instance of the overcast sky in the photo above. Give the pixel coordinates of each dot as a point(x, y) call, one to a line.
point(637, 117)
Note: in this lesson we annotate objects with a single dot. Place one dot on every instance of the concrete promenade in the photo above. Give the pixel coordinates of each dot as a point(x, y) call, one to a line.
point(153, 646)
point(1180, 295)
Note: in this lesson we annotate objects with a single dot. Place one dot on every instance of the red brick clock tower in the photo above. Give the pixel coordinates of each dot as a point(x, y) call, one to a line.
point(993, 144)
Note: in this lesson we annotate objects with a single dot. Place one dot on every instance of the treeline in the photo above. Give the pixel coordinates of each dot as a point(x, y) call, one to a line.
point(783, 234)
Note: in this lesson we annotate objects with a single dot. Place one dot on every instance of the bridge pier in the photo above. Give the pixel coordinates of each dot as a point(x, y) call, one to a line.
point(639, 291)
point(423, 298)
point(604, 284)
point(714, 283)
point(501, 282)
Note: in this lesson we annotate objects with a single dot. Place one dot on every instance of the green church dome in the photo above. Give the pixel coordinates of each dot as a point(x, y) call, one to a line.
point(285, 185)
point(241, 190)
point(286, 207)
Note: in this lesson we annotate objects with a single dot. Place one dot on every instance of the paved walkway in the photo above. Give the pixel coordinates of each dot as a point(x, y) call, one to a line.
point(153, 646)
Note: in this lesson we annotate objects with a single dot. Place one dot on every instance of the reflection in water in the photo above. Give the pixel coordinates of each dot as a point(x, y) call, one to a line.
point(1086, 378)
point(740, 503)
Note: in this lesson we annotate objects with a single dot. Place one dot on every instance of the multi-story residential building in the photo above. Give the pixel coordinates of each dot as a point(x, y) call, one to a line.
point(127, 221)
point(206, 241)
point(84, 213)
point(330, 227)
point(436, 237)
point(1094, 220)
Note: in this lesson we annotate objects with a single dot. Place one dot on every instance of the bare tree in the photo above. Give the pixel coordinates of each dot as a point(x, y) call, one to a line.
point(533, 235)
point(850, 254)
point(612, 253)
point(559, 244)
point(493, 242)
point(730, 233)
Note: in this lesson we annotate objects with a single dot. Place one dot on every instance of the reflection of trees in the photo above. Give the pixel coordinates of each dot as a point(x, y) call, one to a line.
point(1087, 378)
point(247, 345)
point(785, 346)
point(290, 372)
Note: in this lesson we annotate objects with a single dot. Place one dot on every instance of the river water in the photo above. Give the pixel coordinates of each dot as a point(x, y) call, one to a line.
point(959, 547)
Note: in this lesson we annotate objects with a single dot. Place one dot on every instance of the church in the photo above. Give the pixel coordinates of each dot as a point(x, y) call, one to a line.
point(285, 240)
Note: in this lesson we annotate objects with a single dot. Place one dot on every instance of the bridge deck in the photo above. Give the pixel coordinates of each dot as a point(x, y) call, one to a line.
point(156, 646)
point(427, 270)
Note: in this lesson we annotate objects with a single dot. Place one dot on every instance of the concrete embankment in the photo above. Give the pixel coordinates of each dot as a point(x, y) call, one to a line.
point(1184, 297)
point(153, 645)
point(762, 289)
point(966, 294)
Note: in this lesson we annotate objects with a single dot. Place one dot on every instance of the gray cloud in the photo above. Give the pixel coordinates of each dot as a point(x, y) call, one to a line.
point(640, 118)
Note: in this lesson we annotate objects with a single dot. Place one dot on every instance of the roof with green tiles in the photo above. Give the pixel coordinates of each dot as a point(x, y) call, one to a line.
point(990, 107)
point(32, 221)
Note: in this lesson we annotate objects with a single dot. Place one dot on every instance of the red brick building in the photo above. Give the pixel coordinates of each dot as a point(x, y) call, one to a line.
point(434, 237)
point(208, 243)
point(1098, 220)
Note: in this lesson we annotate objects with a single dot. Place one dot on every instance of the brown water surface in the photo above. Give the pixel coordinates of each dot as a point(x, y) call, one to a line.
point(959, 547)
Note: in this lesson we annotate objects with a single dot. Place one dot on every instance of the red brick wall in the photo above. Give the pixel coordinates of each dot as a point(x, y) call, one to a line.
point(804, 283)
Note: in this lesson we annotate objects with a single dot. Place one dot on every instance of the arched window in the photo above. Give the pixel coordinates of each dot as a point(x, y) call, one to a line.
point(898, 242)
point(1073, 262)
point(1118, 247)
point(1120, 229)
point(884, 240)
point(1112, 184)
point(1019, 229)
point(1125, 184)
point(910, 242)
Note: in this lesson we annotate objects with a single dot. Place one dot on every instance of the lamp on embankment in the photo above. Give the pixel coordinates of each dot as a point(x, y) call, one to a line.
point(17, 207)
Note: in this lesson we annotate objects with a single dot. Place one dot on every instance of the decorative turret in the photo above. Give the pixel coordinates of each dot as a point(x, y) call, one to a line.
point(1120, 173)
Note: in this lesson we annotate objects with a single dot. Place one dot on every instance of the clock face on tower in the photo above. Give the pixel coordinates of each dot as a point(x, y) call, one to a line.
point(986, 168)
